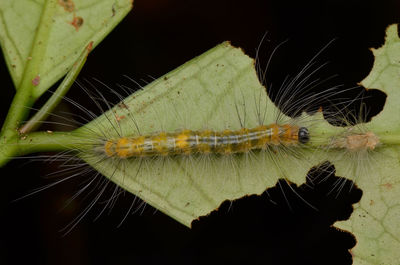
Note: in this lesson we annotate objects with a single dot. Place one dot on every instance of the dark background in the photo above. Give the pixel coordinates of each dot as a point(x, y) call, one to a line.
point(156, 37)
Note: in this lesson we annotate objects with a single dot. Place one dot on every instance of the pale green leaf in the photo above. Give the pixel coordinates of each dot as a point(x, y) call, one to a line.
point(201, 94)
point(206, 93)
point(41, 39)
point(376, 218)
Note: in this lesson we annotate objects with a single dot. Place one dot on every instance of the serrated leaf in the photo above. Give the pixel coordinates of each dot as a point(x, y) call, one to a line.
point(49, 35)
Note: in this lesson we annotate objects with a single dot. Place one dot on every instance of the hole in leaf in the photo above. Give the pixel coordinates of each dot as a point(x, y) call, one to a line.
point(280, 226)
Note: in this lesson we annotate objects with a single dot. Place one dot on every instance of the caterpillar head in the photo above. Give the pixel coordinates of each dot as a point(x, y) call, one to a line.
point(303, 135)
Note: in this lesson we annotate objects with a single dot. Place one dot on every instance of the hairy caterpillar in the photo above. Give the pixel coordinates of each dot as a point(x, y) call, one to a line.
point(240, 146)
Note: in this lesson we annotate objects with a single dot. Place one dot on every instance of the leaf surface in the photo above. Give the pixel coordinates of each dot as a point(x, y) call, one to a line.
point(209, 92)
point(376, 218)
point(215, 91)
point(41, 39)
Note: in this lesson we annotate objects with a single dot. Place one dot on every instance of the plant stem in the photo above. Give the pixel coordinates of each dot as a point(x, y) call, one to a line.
point(389, 139)
point(63, 88)
point(40, 141)
point(18, 111)
point(49, 141)
point(24, 98)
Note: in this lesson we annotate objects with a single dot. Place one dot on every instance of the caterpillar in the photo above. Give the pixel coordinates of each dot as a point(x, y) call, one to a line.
point(218, 145)
point(188, 142)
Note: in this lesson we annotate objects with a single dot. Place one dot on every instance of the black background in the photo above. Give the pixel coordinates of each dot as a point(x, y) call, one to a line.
point(156, 37)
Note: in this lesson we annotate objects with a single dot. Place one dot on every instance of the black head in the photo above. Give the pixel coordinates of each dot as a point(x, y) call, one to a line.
point(304, 135)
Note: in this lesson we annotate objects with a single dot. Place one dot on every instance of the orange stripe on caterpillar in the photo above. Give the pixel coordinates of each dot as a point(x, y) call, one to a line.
point(186, 142)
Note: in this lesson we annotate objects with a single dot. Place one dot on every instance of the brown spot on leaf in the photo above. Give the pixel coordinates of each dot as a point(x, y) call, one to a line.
point(388, 185)
point(118, 118)
point(77, 22)
point(36, 80)
point(122, 105)
point(68, 5)
point(113, 10)
point(90, 46)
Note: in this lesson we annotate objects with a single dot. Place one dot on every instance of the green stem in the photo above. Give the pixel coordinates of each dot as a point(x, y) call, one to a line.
point(63, 88)
point(19, 109)
point(389, 139)
point(49, 141)
point(38, 142)
point(23, 98)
